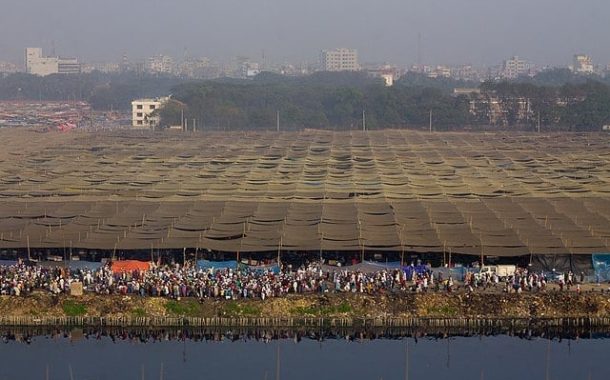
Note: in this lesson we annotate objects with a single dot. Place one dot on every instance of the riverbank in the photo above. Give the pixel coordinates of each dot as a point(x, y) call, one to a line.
point(334, 309)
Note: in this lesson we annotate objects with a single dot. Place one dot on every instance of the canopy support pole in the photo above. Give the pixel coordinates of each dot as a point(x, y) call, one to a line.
point(279, 253)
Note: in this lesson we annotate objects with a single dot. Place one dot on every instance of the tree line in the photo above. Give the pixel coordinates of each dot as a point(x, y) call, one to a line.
point(338, 100)
point(102, 91)
point(556, 99)
point(321, 100)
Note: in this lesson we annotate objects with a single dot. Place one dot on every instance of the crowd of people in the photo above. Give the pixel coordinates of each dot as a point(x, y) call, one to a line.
point(177, 281)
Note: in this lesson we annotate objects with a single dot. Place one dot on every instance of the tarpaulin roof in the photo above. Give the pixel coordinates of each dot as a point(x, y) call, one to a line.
point(493, 194)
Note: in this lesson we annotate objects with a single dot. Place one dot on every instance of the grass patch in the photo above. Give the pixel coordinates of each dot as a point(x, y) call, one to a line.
point(322, 311)
point(139, 313)
point(236, 309)
point(344, 308)
point(444, 310)
point(304, 310)
point(73, 308)
point(188, 308)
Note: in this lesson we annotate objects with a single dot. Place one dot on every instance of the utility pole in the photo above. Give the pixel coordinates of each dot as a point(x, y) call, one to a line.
point(194, 124)
point(430, 121)
point(277, 121)
point(363, 121)
point(182, 118)
point(538, 122)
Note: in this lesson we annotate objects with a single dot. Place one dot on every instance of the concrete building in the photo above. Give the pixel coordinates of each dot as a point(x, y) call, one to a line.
point(8, 67)
point(37, 64)
point(339, 60)
point(142, 112)
point(583, 64)
point(388, 73)
point(68, 66)
point(107, 67)
point(514, 68)
point(440, 71)
point(160, 64)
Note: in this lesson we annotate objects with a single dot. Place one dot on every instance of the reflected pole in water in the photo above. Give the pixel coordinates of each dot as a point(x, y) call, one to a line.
point(448, 352)
point(70, 371)
point(184, 346)
point(407, 360)
point(161, 372)
point(277, 363)
point(547, 374)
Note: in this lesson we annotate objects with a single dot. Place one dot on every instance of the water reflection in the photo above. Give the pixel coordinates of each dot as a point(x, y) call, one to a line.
point(152, 335)
point(121, 353)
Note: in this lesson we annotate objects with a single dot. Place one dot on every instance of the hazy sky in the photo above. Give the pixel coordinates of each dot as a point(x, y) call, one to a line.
point(479, 32)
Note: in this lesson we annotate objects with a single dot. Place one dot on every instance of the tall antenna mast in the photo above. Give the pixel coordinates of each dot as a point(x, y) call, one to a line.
point(419, 50)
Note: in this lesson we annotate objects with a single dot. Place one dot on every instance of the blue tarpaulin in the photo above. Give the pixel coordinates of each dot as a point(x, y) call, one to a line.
point(217, 265)
point(410, 269)
point(77, 264)
point(7, 263)
point(601, 266)
point(261, 268)
point(456, 273)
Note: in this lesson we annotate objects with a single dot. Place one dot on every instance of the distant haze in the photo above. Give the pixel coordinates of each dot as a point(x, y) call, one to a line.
point(478, 32)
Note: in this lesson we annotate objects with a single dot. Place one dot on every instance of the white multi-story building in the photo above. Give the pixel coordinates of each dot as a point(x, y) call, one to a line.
point(440, 72)
point(339, 60)
point(143, 112)
point(514, 68)
point(160, 64)
point(8, 67)
point(37, 64)
point(583, 64)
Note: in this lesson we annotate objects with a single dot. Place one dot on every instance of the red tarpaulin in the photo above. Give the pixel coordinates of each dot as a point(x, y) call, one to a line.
point(129, 266)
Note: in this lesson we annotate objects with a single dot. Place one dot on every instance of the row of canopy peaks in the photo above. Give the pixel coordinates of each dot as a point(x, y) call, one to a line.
point(497, 226)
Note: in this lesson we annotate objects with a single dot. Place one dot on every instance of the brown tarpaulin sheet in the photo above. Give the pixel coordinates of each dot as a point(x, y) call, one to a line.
point(493, 194)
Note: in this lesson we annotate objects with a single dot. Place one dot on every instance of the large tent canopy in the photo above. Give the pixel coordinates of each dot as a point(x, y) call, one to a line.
point(495, 194)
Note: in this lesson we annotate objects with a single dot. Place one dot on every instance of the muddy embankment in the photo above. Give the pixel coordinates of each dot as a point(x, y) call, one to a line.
point(41, 308)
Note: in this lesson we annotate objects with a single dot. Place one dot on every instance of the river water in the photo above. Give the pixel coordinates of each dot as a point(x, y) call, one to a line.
point(91, 355)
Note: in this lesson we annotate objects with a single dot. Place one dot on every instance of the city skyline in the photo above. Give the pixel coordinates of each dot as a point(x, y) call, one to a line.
point(481, 33)
point(339, 59)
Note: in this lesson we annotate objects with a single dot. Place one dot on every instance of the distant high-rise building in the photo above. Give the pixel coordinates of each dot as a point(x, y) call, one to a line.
point(440, 71)
point(37, 64)
point(160, 64)
point(583, 64)
point(514, 68)
point(8, 67)
point(339, 60)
